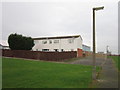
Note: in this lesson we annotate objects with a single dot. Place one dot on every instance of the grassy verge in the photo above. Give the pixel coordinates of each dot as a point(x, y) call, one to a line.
point(116, 59)
point(19, 73)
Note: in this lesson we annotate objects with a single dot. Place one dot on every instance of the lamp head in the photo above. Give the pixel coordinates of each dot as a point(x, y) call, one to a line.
point(98, 8)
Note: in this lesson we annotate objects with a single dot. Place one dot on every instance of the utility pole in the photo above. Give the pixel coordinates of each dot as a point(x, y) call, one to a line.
point(107, 49)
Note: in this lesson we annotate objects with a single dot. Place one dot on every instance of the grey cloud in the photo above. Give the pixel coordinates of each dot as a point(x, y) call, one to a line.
point(37, 19)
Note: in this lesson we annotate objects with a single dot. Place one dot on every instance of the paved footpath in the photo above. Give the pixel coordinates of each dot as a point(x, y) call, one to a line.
point(89, 61)
point(109, 75)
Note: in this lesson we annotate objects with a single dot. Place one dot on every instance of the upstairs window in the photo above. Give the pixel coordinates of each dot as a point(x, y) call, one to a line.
point(71, 40)
point(50, 41)
point(56, 41)
point(44, 42)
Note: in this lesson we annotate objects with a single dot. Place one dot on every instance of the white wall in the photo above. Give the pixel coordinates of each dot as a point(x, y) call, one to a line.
point(63, 44)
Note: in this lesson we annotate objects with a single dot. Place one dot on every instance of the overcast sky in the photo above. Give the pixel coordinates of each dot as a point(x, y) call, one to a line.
point(59, 18)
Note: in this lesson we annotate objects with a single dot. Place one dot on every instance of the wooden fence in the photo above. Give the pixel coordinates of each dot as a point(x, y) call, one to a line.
point(49, 56)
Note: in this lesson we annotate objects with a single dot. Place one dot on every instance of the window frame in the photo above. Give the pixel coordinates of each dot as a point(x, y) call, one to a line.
point(56, 41)
point(44, 42)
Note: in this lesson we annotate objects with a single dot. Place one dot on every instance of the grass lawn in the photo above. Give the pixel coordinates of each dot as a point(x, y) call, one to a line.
point(19, 73)
point(116, 59)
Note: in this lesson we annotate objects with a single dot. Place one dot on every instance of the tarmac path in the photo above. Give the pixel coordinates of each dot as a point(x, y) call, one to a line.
point(108, 77)
point(89, 61)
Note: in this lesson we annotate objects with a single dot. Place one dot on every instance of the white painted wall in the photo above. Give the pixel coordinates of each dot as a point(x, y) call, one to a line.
point(63, 44)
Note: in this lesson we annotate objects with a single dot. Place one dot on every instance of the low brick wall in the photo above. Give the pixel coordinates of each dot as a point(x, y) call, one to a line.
point(101, 55)
point(87, 53)
point(49, 56)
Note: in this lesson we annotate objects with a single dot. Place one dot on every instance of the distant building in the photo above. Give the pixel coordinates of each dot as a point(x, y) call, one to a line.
point(4, 47)
point(60, 43)
point(85, 47)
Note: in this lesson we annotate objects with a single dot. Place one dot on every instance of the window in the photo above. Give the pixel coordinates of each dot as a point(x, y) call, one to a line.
point(62, 50)
point(44, 42)
point(72, 49)
point(71, 40)
point(56, 41)
point(50, 41)
point(36, 49)
point(56, 50)
point(45, 50)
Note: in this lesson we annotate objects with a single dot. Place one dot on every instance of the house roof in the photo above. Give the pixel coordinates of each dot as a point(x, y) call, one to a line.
point(58, 37)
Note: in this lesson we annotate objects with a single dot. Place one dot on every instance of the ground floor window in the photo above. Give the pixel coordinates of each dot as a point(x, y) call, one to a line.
point(62, 50)
point(56, 50)
point(36, 49)
point(72, 49)
point(45, 50)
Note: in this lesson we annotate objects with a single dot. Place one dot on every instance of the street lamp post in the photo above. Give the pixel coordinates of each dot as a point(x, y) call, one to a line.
point(94, 49)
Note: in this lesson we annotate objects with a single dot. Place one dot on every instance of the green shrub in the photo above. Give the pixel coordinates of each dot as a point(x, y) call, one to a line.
point(19, 42)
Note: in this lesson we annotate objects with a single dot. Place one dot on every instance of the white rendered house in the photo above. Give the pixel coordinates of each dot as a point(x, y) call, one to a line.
point(60, 43)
